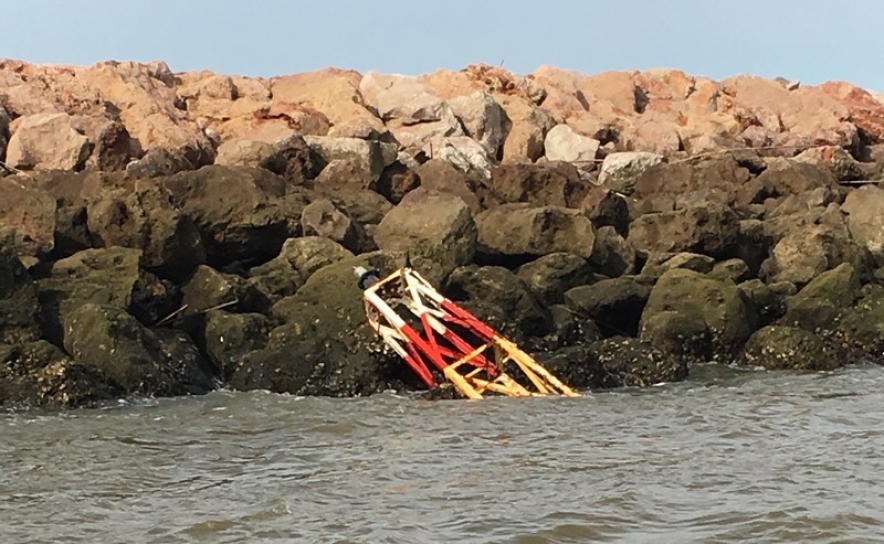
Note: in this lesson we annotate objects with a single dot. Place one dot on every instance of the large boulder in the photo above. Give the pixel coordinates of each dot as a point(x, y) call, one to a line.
point(520, 230)
point(144, 98)
point(41, 374)
point(502, 299)
point(113, 148)
point(615, 305)
point(619, 171)
point(47, 141)
point(368, 157)
point(735, 270)
point(158, 162)
point(19, 307)
point(227, 337)
point(466, 154)
point(791, 348)
point(444, 177)
point(71, 193)
point(144, 217)
point(866, 112)
point(862, 325)
point(805, 253)
point(396, 181)
point(659, 263)
point(636, 363)
point(838, 160)
point(361, 205)
point(482, 119)
point(784, 177)
point(562, 143)
point(130, 356)
point(435, 230)
point(208, 289)
point(817, 305)
point(27, 217)
point(526, 129)
point(242, 214)
point(332, 91)
point(323, 344)
point(546, 184)
point(864, 208)
point(607, 208)
point(798, 117)
point(716, 174)
point(551, 275)
point(580, 368)
point(106, 277)
point(410, 109)
point(766, 303)
point(712, 229)
point(287, 156)
point(691, 314)
point(612, 254)
point(299, 258)
point(322, 218)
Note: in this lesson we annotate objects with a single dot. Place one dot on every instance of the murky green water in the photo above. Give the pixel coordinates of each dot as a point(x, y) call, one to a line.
point(728, 457)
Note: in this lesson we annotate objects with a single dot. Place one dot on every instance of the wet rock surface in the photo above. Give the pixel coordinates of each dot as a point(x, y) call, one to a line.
point(190, 231)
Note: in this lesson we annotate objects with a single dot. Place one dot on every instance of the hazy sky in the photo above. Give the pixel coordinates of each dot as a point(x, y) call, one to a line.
point(810, 40)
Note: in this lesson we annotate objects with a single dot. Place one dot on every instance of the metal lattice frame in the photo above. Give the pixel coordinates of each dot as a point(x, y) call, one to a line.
point(429, 331)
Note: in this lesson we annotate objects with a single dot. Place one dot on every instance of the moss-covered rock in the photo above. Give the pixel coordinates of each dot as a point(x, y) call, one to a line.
point(683, 303)
point(615, 304)
point(130, 356)
point(791, 348)
point(40, 374)
point(636, 363)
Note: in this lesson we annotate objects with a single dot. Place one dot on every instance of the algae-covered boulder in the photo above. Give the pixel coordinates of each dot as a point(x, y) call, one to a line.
point(635, 363)
point(299, 258)
point(862, 325)
point(691, 314)
point(658, 263)
point(129, 355)
point(615, 305)
point(40, 374)
point(101, 276)
point(208, 289)
point(226, 337)
point(790, 348)
point(618, 361)
point(817, 305)
point(324, 322)
point(766, 303)
point(580, 368)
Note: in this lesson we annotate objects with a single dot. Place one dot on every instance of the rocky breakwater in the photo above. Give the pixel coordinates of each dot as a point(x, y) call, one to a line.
point(169, 233)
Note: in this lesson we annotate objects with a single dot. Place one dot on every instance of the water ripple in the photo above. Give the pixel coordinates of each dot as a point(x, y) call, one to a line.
point(731, 456)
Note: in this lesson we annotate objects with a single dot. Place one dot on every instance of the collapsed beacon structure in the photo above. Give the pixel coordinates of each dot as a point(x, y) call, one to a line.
point(431, 333)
